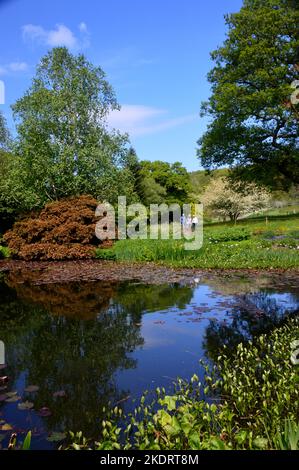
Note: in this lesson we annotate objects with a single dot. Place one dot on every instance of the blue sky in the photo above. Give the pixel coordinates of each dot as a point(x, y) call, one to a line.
point(156, 54)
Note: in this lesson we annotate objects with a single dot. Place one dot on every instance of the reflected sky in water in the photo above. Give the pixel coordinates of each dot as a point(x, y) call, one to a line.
point(85, 345)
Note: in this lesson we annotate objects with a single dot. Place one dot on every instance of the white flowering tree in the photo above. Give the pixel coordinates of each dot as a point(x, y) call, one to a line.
point(223, 201)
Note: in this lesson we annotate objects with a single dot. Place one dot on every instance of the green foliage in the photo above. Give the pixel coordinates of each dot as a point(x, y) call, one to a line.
point(252, 244)
point(105, 254)
point(224, 200)
point(27, 442)
point(200, 180)
point(149, 250)
point(4, 133)
point(254, 124)
point(63, 144)
point(4, 252)
point(152, 192)
point(227, 235)
point(15, 196)
point(256, 405)
point(288, 439)
point(164, 182)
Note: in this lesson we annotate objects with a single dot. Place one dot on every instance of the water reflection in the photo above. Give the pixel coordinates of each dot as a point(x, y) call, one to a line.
point(71, 355)
point(98, 343)
point(251, 315)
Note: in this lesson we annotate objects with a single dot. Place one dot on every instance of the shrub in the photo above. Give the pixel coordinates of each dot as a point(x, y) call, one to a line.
point(62, 230)
point(229, 235)
point(4, 252)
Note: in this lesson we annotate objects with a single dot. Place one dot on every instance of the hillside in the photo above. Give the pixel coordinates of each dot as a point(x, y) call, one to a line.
point(201, 179)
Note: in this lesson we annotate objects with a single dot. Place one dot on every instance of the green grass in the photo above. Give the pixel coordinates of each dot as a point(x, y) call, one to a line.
point(287, 211)
point(250, 244)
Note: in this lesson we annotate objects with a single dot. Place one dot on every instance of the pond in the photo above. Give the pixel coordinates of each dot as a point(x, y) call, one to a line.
point(73, 348)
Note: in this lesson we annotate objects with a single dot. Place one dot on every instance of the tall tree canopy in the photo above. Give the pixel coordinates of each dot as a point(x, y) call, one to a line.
point(64, 146)
point(254, 121)
point(4, 133)
point(164, 182)
point(7, 190)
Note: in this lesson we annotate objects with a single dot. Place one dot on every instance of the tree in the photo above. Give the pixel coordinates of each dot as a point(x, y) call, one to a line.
point(4, 133)
point(224, 201)
point(8, 186)
point(171, 182)
point(63, 142)
point(152, 192)
point(254, 127)
point(133, 165)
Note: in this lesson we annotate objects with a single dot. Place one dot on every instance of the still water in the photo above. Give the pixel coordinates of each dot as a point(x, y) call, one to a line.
point(71, 349)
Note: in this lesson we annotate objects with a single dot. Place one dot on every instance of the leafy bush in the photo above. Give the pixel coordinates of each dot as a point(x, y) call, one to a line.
point(4, 252)
point(62, 230)
point(228, 235)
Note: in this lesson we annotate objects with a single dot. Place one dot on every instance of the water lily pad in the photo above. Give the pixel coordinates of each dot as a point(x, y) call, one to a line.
point(56, 437)
point(26, 405)
point(11, 394)
point(6, 427)
point(31, 389)
point(13, 399)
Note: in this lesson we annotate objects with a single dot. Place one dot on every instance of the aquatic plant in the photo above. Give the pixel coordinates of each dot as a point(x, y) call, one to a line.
point(251, 402)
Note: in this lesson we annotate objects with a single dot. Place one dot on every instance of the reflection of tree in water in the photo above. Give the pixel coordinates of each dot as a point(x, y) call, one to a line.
point(86, 300)
point(251, 315)
point(81, 358)
point(61, 353)
point(137, 299)
point(75, 337)
point(242, 284)
point(74, 300)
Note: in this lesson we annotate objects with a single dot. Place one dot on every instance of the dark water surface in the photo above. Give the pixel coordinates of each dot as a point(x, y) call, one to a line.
point(84, 345)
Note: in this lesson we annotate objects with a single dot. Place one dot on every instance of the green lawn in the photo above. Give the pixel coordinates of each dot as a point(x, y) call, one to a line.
point(281, 211)
point(249, 244)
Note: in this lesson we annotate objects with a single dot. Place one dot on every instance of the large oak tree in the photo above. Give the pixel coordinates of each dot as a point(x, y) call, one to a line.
point(254, 121)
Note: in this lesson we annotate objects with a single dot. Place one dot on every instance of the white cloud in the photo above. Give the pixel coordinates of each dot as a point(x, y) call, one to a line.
point(83, 27)
point(13, 67)
point(18, 66)
point(61, 35)
point(138, 120)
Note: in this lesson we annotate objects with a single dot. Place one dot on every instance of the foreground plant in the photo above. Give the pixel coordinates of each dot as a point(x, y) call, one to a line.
point(251, 402)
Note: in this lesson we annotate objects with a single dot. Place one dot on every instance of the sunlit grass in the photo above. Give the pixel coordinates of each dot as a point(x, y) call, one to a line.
point(250, 244)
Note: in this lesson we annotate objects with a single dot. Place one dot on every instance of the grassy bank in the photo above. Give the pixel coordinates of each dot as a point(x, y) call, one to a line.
point(251, 403)
point(259, 243)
